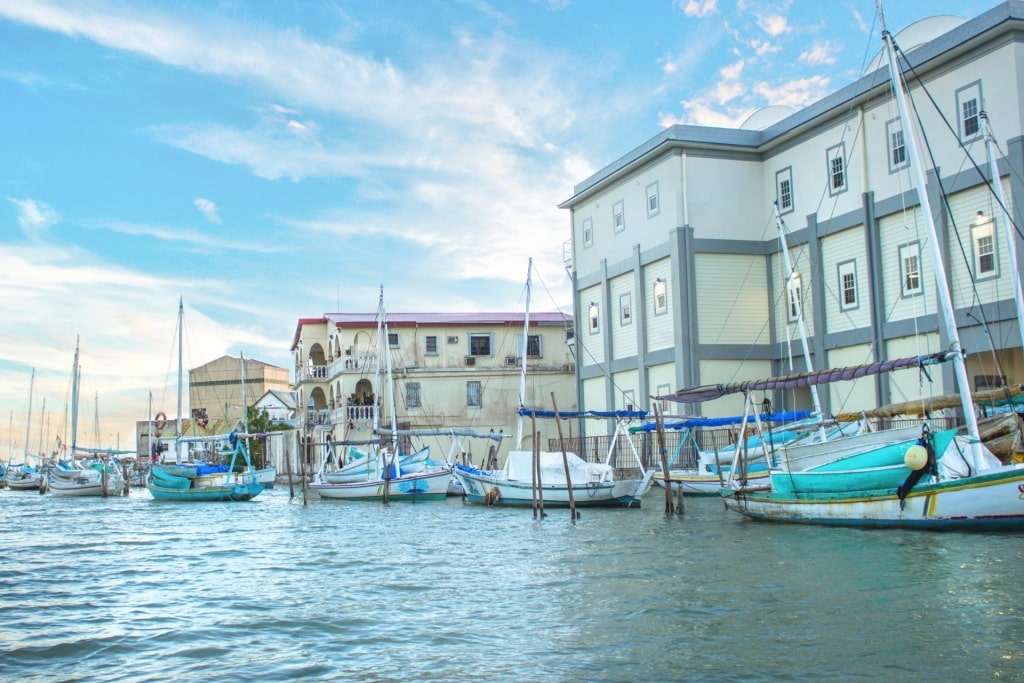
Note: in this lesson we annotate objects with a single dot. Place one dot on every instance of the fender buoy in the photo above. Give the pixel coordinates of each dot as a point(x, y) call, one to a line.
point(161, 420)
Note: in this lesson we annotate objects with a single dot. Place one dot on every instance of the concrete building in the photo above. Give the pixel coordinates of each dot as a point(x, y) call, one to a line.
point(451, 370)
point(679, 273)
point(215, 389)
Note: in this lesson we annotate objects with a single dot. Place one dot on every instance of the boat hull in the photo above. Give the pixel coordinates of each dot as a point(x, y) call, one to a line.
point(479, 486)
point(422, 486)
point(990, 501)
point(694, 484)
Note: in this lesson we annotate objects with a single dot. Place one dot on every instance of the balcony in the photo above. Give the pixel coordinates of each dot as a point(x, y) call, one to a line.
point(315, 373)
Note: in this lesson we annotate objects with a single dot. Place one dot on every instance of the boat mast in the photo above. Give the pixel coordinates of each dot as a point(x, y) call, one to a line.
point(28, 420)
point(386, 345)
point(1008, 236)
point(794, 298)
point(75, 377)
point(377, 369)
point(42, 424)
point(522, 352)
point(181, 321)
point(941, 283)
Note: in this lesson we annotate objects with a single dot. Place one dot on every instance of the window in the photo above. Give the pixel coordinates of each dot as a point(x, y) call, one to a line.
point(910, 268)
point(660, 296)
point(453, 340)
point(793, 288)
point(983, 239)
point(897, 148)
point(430, 345)
point(618, 217)
point(664, 390)
point(629, 399)
point(847, 285)
point(784, 190)
point(968, 109)
point(592, 316)
point(626, 309)
point(412, 395)
point(588, 232)
point(479, 344)
point(836, 169)
point(653, 207)
point(533, 346)
point(474, 394)
point(392, 340)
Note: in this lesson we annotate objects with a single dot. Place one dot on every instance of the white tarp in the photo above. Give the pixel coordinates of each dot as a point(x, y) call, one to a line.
point(519, 467)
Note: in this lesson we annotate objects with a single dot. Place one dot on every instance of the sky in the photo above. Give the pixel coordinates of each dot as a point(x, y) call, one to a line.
point(270, 160)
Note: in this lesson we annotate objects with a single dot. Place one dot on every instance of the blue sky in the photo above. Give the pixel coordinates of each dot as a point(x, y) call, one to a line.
point(272, 160)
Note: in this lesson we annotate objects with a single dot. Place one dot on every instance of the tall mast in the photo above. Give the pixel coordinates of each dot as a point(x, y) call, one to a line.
point(522, 355)
point(392, 404)
point(941, 283)
point(795, 301)
point(177, 422)
point(1008, 236)
point(376, 371)
point(28, 421)
point(74, 401)
point(42, 424)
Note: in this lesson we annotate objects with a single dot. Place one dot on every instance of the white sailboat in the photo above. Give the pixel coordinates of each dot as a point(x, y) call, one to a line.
point(384, 478)
point(23, 476)
point(564, 478)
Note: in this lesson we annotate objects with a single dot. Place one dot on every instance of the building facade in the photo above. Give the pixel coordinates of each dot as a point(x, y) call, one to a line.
point(680, 278)
point(216, 391)
point(449, 370)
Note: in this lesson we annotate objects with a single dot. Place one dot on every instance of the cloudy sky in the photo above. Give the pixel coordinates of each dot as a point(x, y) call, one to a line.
point(268, 160)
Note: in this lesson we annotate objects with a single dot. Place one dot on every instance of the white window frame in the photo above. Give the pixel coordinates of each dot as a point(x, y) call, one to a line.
point(910, 269)
point(837, 176)
point(626, 309)
point(653, 200)
point(629, 399)
point(474, 394)
point(660, 289)
point(588, 232)
point(664, 390)
point(968, 111)
point(477, 336)
point(794, 295)
point(896, 146)
point(982, 233)
point(784, 190)
point(847, 273)
point(430, 345)
point(618, 217)
point(594, 318)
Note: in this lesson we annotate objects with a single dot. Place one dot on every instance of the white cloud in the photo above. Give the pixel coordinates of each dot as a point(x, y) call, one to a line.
point(774, 25)
point(821, 52)
point(699, 8)
point(207, 208)
point(732, 72)
point(796, 93)
point(34, 218)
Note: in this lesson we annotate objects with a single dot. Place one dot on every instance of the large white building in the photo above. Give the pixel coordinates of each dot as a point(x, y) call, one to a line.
point(679, 274)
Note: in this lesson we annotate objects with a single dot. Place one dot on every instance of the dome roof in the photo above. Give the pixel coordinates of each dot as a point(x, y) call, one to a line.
point(766, 116)
point(916, 35)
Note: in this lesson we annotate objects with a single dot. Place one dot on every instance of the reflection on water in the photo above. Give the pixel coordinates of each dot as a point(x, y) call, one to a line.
point(131, 589)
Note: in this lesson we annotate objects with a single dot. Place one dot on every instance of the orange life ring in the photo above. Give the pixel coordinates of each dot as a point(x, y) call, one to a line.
point(160, 419)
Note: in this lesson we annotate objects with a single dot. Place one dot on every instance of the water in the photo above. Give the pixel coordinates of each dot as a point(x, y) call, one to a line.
point(130, 589)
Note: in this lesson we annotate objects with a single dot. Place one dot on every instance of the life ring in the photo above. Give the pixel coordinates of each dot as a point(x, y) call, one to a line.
point(161, 420)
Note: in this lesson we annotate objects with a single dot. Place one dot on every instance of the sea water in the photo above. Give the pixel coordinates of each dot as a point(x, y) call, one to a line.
point(132, 589)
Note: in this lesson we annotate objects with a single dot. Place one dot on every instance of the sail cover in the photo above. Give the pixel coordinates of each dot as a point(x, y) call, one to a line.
point(805, 379)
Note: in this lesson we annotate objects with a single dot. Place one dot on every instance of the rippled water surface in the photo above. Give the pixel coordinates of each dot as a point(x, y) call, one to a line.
point(131, 589)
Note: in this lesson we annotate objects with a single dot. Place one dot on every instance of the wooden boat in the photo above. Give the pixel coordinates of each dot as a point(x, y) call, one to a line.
point(199, 483)
point(23, 477)
point(420, 486)
point(94, 479)
point(266, 476)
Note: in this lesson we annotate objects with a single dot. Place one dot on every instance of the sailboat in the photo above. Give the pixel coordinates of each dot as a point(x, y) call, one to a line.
point(92, 477)
point(564, 478)
point(961, 486)
point(201, 482)
point(380, 475)
point(23, 476)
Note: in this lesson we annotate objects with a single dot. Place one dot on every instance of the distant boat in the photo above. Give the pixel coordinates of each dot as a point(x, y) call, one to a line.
point(201, 482)
point(266, 476)
point(22, 476)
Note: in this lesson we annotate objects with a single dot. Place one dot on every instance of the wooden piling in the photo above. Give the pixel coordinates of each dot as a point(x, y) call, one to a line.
point(659, 423)
point(565, 461)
